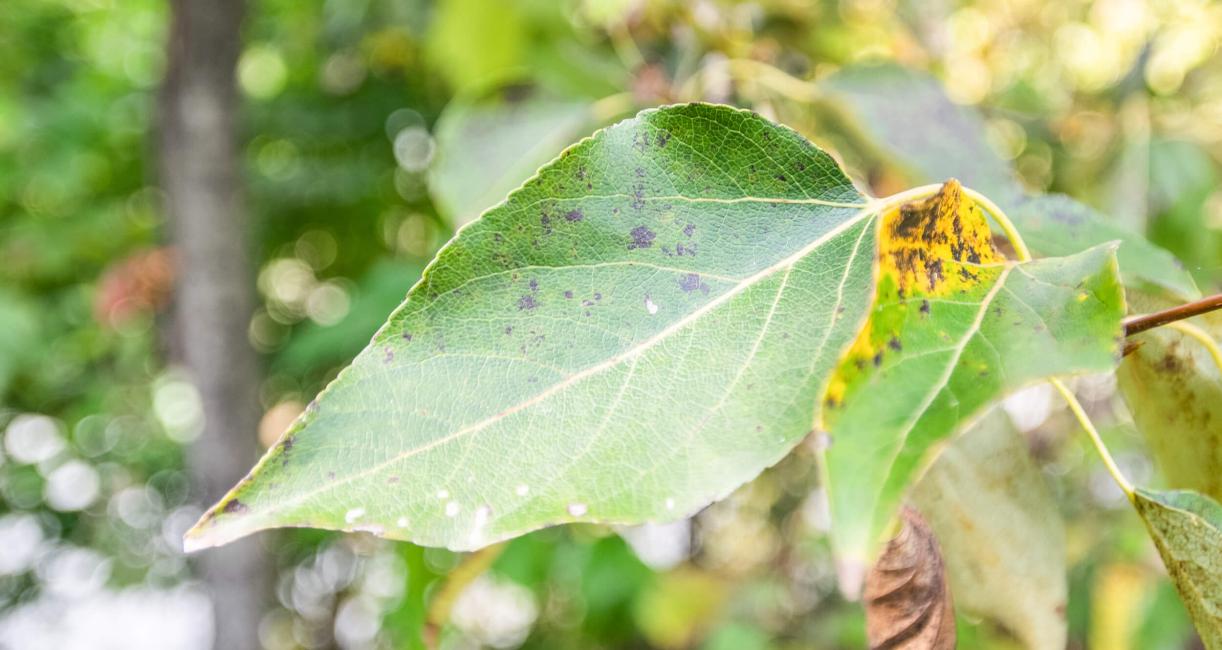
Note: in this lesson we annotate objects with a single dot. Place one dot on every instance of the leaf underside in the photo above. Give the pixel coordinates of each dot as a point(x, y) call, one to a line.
point(1173, 387)
point(954, 327)
point(1187, 530)
point(996, 522)
point(907, 600)
point(641, 328)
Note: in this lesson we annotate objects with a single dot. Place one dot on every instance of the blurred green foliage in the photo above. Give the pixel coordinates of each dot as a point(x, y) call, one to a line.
point(1117, 103)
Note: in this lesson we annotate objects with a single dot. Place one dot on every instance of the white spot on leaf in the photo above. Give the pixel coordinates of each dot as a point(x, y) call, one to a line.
point(452, 508)
point(670, 503)
point(443, 494)
point(402, 523)
point(354, 514)
point(650, 306)
point(577, 509)
point(522, 490)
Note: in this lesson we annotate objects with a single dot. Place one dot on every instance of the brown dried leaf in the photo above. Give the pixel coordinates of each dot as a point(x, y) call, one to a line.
point(908, 603)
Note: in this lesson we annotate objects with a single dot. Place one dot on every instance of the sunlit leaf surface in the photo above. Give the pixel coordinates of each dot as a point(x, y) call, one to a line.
point(641, 328)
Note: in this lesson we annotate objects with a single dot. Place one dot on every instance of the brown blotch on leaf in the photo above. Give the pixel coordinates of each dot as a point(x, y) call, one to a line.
point(907, 599)
point(234, 507)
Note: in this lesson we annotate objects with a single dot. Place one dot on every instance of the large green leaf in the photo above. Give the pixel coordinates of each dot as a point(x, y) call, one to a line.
point(954, 327)
point(642, 327)
point(1187, 529)
point(1173, 387)
point(908, 117)
point(996, 522)
point(489, 145)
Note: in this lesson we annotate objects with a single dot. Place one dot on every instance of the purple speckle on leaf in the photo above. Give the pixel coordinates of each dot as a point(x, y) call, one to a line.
point(527, 302)
point(574, 215)
point(642, 237)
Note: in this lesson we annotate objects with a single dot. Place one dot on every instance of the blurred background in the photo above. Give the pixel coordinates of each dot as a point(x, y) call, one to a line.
point(207, 208)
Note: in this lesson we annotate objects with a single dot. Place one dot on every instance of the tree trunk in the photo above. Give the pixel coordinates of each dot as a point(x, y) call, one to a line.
point(200, 173)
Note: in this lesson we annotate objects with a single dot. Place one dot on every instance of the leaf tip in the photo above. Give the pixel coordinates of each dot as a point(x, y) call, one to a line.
point(217, 527)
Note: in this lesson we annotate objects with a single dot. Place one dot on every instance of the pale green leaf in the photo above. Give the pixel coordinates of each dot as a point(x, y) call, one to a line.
point(909, 118)
point(1187, 529)
point(1002, 541)
point(1173, 386)
point(954, 328)
point(641, 328)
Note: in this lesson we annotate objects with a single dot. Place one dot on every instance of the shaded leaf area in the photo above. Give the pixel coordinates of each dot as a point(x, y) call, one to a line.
point(642, 327)
point(908, 601)
point(932, 138)
point(1187, 529)
point(1173, 387)
point(486, 146)
point(996, 523)
point(953, 328)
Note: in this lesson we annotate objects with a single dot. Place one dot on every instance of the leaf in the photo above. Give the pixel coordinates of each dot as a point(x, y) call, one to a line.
point(996, 523)
point(929, 136)
point(953, 328)
point(1055, 224)
point(1173, 387)
point(908, 603)
point(1187, 529)
point(490, 145)
point(642, 327)
point(909, 116)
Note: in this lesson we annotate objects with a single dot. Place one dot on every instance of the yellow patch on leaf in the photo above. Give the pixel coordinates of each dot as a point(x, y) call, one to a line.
point(927, 249)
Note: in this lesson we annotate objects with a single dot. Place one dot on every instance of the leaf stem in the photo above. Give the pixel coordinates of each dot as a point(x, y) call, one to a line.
point(1084, 420)
point(1138, 324)
point(1024, 255)
point(471, 567)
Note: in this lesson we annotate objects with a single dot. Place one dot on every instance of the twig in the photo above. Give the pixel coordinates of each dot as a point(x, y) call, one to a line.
point(472, 566)
point(1138, 324)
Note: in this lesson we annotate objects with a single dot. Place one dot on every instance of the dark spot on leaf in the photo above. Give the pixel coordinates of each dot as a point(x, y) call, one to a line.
point(388, 355)
point(598, 296)
point(780, 177)
point(690, 282)
point(689, 229)
point(407, 336)
point(568, 294)
point(878, 359)
point(508, 330)
point(895, 344)
point(534, 285)
point(234, 507)
point(574, 215)
point(663, 138)
point(642, 237)
point(527, 302)
point(924, 306)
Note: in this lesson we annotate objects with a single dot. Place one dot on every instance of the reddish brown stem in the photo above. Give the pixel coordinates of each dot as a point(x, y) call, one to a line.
point(1139, 324)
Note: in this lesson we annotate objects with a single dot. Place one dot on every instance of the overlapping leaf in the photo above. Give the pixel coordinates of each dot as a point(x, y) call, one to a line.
point(997, 525)
point(1187, 529)
point(909, 117)
point(486, 146)
point(1173, 386)
point(953, 328)
point(641, 328)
